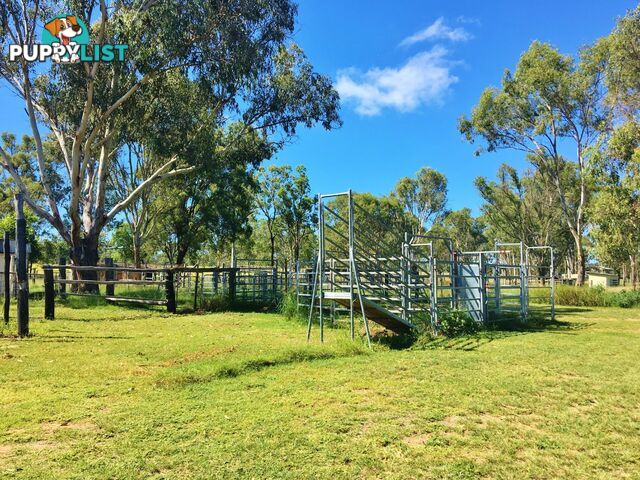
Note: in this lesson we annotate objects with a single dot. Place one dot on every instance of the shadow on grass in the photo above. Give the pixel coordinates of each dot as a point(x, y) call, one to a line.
point(77, 338)
point(288, 357)
point(539, 320)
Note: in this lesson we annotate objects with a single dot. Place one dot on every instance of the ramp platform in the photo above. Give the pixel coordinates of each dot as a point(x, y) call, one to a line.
point(374, 311)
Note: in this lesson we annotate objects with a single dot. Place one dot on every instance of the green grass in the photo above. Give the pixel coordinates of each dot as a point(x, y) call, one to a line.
point(111, 392)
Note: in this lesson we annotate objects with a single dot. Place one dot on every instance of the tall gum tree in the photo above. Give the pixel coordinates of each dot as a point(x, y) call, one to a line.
point(551, 109)
point(238, 53)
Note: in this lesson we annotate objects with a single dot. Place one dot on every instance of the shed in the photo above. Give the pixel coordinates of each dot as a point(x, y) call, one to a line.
point(603, 279)
point(12, 252)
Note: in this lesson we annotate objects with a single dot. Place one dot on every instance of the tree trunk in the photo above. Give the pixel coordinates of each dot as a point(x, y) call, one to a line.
point(634, 271)
point(580, 261)
point(273, 250)
point(84, 253)
point(180, 256)
point(137, 250)
point(296, 252)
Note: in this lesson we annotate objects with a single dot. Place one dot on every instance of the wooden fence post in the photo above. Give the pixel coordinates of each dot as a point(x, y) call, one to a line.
point(110, 277)
point(21, 268)
point(49, 294)
point(62, 275)
point(170, 292)
point(232, 285)
point(7, 276)
point(195, 295)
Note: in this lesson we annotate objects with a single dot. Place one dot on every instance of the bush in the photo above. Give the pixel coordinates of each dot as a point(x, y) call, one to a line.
point(289, 306)
point(581, 296)
point(587, 297)
point(625, 299)
point(453, 323)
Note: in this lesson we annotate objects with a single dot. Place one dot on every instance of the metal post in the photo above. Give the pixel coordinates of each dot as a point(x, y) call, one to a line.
point(482, 287)
point(553, 285)
point(274, 272)
point(7, 276)
point(195, 294)
point(297, 277)
point(321, 264)
point(405, 276)
point(21, 268)
point(496, 283)
point(352, 325)
point(313, 298)
point(523, 284)
point(434, 292)
point(452, 274)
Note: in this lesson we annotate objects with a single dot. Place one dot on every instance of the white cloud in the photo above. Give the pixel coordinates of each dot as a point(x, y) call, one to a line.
point(438, 30)
point(423, 79)
point(468, 20)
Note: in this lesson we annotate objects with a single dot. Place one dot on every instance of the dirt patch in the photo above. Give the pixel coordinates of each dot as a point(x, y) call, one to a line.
point(583, 407)
point(486, 419)
point(416, 440)
point(195, 356)
point(451, 421)
point(9, 450)
point(79, 425)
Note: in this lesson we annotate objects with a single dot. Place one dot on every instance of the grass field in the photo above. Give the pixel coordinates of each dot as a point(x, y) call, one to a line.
point(111, 392)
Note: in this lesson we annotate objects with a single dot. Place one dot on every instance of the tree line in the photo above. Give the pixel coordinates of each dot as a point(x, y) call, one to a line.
point(159, 158)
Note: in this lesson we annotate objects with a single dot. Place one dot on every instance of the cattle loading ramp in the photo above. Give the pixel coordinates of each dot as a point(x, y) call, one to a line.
point(373, 311)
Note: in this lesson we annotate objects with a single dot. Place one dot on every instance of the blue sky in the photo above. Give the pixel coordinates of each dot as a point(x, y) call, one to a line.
point(408, 70)
point(393, 123)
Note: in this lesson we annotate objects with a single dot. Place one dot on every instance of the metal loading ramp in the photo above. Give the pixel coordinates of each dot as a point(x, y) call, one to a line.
point(374, 312)
point(400, 281)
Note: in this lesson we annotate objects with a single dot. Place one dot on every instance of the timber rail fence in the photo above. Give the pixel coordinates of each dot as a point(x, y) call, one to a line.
point(166, 286)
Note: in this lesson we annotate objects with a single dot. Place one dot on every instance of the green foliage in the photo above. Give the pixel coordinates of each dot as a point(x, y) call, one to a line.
point(285, 208)
point(453, 323)
point(219, 85)
point(288, 307)
point(550, 100)
point(219, 303)
point(623, 62)
point(467, 232)
point(424, 197)
point(570, 295)
point(382, 221)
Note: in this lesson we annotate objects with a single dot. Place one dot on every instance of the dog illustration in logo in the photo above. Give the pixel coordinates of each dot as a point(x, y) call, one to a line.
point(64, 29)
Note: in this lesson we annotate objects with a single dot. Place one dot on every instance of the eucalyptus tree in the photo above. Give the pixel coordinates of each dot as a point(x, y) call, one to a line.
point(550, 105)
point(267, 202)
point(214, 207)
point(615, 210)
point(466, 231)
point(296, 207)
point(237, 54)
point(621, 51)
point(142, 214)
point(524, 207)
point(425, 197)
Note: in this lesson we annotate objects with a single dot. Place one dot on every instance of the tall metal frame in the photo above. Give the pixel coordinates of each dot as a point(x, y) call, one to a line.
point(409, 280)
point(355, 288)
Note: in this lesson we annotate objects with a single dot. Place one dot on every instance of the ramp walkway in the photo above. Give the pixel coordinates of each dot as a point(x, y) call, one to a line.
point(373, 310)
